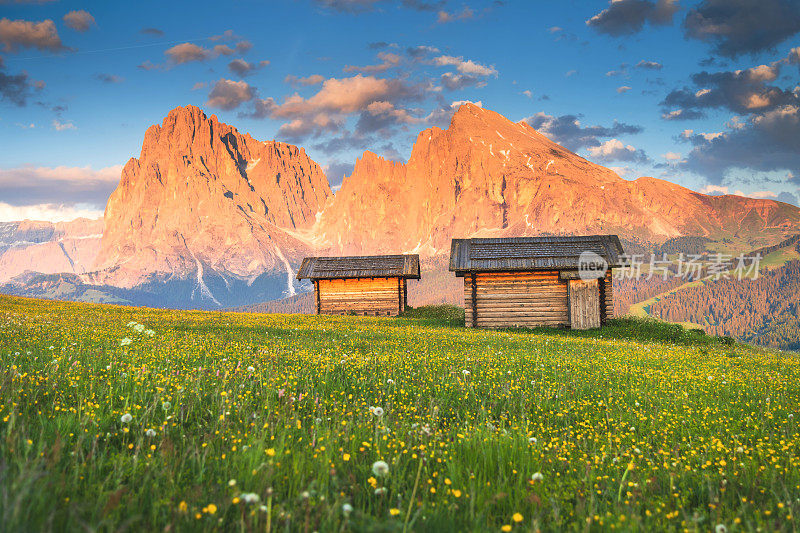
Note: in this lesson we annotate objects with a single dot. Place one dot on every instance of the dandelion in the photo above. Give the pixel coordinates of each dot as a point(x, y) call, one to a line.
point(380, 491)
point(377, 411)
point(347, 509)
point(166, 406)
point(126, 418)
point(212, 509)
point(125, 342)
point(231, 482)
point(251, 369)
point(150, 433)
point(250, 497)
point(390, 381)
point(517, 517)
point(465, 372)
point(380, 468)
point(721, 528)
point(305, 495)
point(537, 477)
point(394, 511)
point(532, 440)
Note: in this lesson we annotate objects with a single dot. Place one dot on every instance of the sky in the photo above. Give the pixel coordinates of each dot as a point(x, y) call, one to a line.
point(703, 93)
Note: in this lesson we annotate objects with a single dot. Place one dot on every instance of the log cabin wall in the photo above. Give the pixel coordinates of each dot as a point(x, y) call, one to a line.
point(507, 299)
point(361, 296)
point(607, 297)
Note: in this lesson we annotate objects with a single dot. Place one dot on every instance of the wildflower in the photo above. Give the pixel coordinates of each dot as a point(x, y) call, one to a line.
point(212, 509)
point(380, 468)
point(517, 517)
point(125, 342)
point(250, 497)
point(150, 433)
point(465, 372)
point(394, 511)
point(305, 495)
point(231, 482)
point(390, 381)
point(182, 507)
point(537, 476)
point(346, 456)
point(270, 452)
point(721, 528)
point(506, 528)
point(377, 411)
point(380, 491)
point(126, 418)
point(251, 369)
point(456, 493)
point(532, 440)
point(347, 509)
point(166, 406)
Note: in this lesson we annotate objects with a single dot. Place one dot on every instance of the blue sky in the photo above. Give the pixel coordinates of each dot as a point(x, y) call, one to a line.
point(703, 93)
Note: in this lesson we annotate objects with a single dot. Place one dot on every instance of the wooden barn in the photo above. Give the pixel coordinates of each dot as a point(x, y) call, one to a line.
point(364, 285)
point(537, 281)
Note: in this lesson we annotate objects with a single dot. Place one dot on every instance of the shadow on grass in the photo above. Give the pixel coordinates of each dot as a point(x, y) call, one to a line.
point(629, 328)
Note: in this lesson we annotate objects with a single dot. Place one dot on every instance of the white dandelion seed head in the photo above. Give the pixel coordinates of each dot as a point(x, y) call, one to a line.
point(721, 528)
point(150, 433)
point(532, 440)
point(390, 381)
point(166, 406)
point(380, 468)
point(127, 417)
point(537, 477)
point(125, 342)
point(250, 497)
point(380, 491)
point(465, 372)
point(251, 369)
point(347, 509)
point(377, 411)
point(305, 495)
point(231, 482)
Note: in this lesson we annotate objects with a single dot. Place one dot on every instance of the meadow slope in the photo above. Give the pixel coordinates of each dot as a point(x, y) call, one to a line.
point(130, 418)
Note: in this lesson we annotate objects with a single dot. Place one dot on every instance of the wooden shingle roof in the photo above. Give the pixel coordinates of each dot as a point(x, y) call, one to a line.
point(531, 253)
point(369, 266)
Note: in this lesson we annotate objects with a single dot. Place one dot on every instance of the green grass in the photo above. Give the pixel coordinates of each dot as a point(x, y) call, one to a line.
point(639, 426)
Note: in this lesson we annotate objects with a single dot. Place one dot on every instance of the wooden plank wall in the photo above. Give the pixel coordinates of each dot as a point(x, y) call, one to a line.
point(607, 293)
point(584, 304)
point(362, 296)
point(526, 299)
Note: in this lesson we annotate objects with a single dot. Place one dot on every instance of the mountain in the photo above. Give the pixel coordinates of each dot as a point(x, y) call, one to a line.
point(206, 205)
point(488, 176)
point(48, 247)
point(208, 217)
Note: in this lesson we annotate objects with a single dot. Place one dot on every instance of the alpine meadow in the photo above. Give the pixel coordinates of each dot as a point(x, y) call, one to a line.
point(400, 266)
point(190, 420)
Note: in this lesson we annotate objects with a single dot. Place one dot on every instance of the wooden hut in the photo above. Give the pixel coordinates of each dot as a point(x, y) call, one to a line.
point(364, 285)
point(537, 281)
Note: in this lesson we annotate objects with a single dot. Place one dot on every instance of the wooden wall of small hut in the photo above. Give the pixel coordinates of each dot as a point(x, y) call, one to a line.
point(361, 296)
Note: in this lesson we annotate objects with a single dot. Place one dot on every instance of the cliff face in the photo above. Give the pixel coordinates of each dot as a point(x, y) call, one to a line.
point(48, 247)
point(486, 175)
point(203, 196)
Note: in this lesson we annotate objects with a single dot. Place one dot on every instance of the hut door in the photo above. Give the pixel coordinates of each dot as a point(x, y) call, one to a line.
point(584, 304)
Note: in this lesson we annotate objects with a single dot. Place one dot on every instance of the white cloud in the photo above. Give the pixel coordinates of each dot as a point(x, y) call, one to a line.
point(62, 126)
point(49, 212)
point(465, 66)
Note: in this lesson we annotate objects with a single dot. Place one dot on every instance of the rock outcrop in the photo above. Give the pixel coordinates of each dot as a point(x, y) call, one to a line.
point(203, 197)
point(488, 176)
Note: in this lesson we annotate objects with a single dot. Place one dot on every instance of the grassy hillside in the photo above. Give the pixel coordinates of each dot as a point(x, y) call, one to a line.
point(140, 419)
